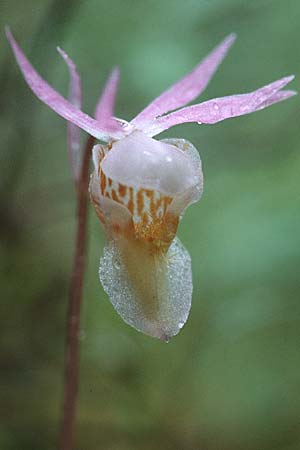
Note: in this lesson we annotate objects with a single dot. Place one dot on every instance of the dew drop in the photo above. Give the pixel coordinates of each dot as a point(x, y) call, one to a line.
point(165, 338)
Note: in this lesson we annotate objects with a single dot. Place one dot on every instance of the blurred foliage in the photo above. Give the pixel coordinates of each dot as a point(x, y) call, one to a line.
point(230, 380)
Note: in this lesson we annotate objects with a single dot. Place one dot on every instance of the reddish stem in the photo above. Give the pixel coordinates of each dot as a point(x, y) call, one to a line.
point(75, 298)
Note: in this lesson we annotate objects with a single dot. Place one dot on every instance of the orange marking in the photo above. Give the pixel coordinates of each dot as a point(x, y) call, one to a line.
point(130, 205)
point(152, 205)
point(140, 202)
point(167, 201)
point(109, 181)
point(145, 218)
point(102, 182)
point(114, 196)
point(101, 156)
point(158, 202)
point(122, 190)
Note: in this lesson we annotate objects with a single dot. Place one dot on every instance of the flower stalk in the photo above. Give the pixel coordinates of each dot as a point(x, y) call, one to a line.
point(74, 307)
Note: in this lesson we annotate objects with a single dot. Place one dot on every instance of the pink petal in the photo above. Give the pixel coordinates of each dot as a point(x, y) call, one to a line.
point(188, 88)
point(105, 106)
point(276, 98)
point(75, 97)
point(219, 109)
point(56, 101)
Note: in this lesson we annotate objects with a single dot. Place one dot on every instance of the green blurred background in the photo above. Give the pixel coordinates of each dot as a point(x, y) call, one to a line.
point(231, 379)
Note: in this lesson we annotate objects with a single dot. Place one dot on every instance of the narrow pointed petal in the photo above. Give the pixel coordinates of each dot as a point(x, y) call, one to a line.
point(75, 93)
point(188, 88)
point(75, 97)
point(56, 101)
point(276, 98)
point(104, 112)
point(219, 109)
point(105, 106)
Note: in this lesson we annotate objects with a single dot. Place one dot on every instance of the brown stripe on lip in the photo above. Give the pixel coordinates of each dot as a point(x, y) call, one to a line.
point(140, 202)
point(130, 205)
point(122, 190)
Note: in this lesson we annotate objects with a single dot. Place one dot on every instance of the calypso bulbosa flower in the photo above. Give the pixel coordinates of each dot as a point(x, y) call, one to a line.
point(141, 187)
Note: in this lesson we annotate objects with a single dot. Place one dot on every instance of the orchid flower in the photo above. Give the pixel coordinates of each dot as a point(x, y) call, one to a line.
point(141, 187)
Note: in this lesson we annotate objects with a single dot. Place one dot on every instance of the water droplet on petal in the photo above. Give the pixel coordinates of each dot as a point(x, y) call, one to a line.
point(165, 338)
